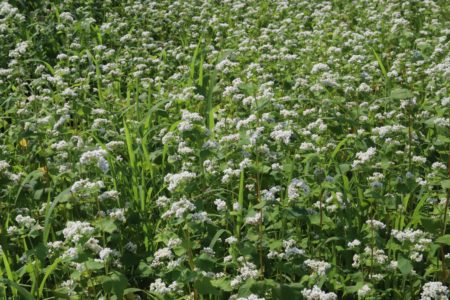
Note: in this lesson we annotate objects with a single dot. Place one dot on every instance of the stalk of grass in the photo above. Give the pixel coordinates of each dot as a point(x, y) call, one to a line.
point(241, 203)
point(132, 160)
point(9, 273)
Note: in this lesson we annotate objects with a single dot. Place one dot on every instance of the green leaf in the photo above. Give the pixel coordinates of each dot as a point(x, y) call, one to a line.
point(23, 292)
point(106, 225)
point(222, 284)
point(216, 237)
point(445, 239)
point(48, 271)
point(445, 184)
point(93, 265)
point(204, 286)
point(283, 291)
point(115, 283)
point(404, 265)
point(62, 197)
point(401, 93)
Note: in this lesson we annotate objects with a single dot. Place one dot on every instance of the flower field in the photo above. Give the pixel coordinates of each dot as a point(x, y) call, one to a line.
point(225, 149)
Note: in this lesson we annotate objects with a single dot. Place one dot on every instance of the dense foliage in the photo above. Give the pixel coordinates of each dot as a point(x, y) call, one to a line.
point(227, 149)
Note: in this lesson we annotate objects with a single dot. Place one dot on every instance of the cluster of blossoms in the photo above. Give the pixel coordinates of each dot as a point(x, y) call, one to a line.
point(246, 149)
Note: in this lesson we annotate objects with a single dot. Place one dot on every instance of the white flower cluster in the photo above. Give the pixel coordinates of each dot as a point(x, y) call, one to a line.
point(294, 187)
point(176, 180)
point(161, 255)
point(95, 156)
point(179, 208)
point(75, 230)
point(254, 220)
point(109, 195)
point(363, 157)
point(317, 294)
point(25, 221)
point(246, 271)
point(364, 291)
point(220, 205)
point(375, 224)
point(251, 297)
point(4, 165)
point(279, 134)
point(290, 251)
point(407, 235)
point(434, 290)
point(84, 187)
point(354, 244)
point(161, 288)
point(318, 266)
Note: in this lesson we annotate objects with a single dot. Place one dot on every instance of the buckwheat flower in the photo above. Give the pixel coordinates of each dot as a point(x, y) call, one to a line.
point(109, 195)
point(20, 50)
point(407, 235)
point(251, 297)
point(354, 244)
point(443, 122)
point(70, 286)
point(254, 220)
point(132, 247)
point(363, 157)
point(245, 163)
point(434, 166)
point(25, 221)
point(208, 251)
point(220, 205)
point(317, 266)
point(118, 214)
point(434, 291)
point(12, 230)
point(356, 261)
point(105, 253)
point(416, 256)
point(281, 135)
point(375, 224)
point(162, 201)
point(175, 180)
point(115, 145)
point(231, 240)
point(61, 121)
point(95, 156)
point(191, 116)
point(229, 173)
point(93, 245)
point(174, 242)
point(201, 216)
point(60, 146)
point(54, 246)
point(419, 159)
point(161, 255)
point(3, 165)
point(66, 17)
point(292, 251)
point(159, 287)
point(71, 253)
point(365, 88)
point(378, 254)
point(179, 208)
point(364, 291)
point(83, 187)
point(75, 230)
point(294, 188)
point(317, 294)
point(246, 271)
point(320, 67)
